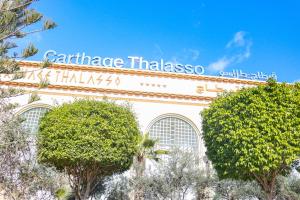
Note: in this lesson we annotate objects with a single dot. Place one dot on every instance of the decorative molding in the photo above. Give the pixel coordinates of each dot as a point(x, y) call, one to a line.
point(179, 116)
point(109, 91)
point(136, 72)
point(32, 105)
point(124, 99)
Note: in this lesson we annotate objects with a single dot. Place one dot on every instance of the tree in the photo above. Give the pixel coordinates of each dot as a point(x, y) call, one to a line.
point(16, 20)
point(254, 134)
point(287, 188)
point(89, 140)
point(237, 190)
point(117, 187)
point(175, 178)
point(20, 175)
point(146, 150)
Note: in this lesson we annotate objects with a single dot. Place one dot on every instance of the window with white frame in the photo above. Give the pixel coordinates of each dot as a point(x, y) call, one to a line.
point(32, 118)
point(174, 132)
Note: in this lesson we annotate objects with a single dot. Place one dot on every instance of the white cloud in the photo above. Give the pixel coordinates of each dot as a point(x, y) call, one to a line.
point(240, 45)
point(237, 40)
point(243, 55)
point(220, 64)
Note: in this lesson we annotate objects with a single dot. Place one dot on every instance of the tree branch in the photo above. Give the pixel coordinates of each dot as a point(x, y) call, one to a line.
point(18, 7)
point(13, 33)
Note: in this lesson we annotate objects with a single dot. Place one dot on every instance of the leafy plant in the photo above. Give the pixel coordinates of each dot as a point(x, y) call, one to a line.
point(16, 22)
point(21, 177)
point(89, 140)
point(254, 134)
point(34, 97)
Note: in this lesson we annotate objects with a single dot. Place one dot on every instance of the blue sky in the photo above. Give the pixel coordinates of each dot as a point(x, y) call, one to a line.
point(220, 35)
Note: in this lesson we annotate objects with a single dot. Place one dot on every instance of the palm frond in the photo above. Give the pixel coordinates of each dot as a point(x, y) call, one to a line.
point(161, 152)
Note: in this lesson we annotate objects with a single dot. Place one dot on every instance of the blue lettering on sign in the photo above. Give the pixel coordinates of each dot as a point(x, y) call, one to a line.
point(136, 62)
point(254, 76)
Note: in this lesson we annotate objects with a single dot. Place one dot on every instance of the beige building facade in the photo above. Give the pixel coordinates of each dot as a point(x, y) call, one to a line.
point(167, 105)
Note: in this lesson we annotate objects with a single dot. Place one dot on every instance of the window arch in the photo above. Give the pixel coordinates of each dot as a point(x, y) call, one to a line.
point(174, 131)
point(32, 118)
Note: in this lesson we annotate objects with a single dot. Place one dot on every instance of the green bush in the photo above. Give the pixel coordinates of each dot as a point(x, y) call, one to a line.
point(89, 139)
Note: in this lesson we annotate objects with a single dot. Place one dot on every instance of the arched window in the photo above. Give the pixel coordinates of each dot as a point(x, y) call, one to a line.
point(172, 131)
point(32, 118)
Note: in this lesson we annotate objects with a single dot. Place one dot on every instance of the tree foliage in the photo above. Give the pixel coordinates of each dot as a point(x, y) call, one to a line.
point(286, 188)
point(254, 134)
point(176, 177)
point(20, 175)
point(17, 20)
point(237, 190)
point(146, 150)
point(89, 140)
point(116, 187)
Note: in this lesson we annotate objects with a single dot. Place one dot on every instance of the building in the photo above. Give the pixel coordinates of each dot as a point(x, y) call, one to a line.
point(167, 105)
